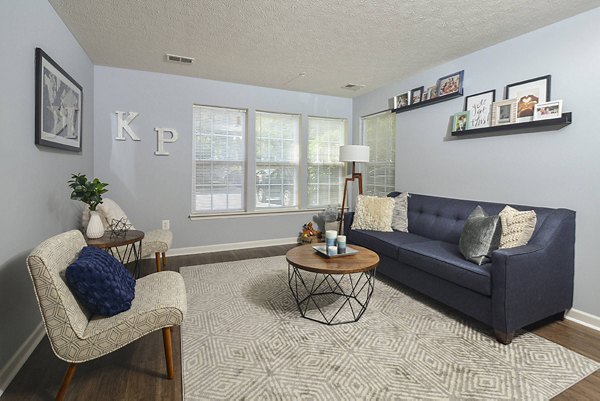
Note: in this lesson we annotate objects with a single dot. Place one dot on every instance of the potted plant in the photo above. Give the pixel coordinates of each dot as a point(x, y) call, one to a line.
point(89, 192)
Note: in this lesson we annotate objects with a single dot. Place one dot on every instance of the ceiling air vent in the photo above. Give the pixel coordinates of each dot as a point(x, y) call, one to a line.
point(353, 87)
point(179, 59)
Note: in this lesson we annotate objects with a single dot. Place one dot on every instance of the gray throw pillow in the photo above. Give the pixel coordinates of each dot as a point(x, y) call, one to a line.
point(400, 214)
point(480, 236)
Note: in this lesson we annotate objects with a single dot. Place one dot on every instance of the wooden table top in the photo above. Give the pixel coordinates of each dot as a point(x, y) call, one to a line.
point(306, 258)
point(110, 241)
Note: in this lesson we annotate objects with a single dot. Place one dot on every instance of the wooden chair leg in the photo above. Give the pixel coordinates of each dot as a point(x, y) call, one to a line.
point(66, 381)
point(164, 259)
point(168, 351)
point(157, 256)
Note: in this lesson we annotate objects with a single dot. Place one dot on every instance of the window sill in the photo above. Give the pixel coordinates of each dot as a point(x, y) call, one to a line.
point(228, 215)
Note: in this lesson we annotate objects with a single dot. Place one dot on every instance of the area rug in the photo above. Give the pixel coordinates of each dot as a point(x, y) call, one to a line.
point(243, 338)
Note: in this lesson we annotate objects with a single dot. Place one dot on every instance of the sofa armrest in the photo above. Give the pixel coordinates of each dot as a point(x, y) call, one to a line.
point(516, 251)
point(535, 281)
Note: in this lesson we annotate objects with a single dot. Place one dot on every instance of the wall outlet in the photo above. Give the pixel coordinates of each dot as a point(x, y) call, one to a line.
point(166, 225)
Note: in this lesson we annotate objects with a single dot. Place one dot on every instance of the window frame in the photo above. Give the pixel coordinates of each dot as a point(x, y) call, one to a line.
point(249, 207)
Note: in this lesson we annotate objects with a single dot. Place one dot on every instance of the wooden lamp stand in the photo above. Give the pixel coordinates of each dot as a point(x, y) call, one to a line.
point(355, 176)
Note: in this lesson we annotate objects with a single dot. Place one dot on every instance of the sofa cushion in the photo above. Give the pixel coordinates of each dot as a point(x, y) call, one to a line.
point(443, 219)
point(383, 243)
point(443, 259)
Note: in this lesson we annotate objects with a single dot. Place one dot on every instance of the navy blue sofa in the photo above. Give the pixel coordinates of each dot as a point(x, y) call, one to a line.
point(520, 286)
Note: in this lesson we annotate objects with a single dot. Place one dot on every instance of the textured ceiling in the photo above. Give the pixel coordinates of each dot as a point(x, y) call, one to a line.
point(269, 43)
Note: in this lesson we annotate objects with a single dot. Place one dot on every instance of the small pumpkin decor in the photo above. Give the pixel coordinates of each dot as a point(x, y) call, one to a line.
point(89, 192)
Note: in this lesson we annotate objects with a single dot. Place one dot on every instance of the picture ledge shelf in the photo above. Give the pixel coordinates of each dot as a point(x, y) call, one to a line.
point(428, 102)
point(530, 126)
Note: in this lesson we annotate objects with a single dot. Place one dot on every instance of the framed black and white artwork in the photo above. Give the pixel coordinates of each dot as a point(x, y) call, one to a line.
point(479, 107)
point(58, 105)
point(528, 94)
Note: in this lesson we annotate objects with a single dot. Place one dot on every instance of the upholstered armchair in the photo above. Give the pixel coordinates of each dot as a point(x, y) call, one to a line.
point(155, 242)
point(75, 334)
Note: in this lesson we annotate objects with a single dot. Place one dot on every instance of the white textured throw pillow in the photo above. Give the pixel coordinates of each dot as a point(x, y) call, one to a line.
point(373, 213)
point(110, 210)
point(517, 227)
point(400, 213)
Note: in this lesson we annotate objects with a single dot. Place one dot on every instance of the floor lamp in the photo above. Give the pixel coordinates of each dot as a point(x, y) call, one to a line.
point(354, 154)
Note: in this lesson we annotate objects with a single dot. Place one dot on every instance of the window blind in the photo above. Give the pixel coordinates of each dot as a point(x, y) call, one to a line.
point(277, 160)
point(379, 133)
point(325, 171)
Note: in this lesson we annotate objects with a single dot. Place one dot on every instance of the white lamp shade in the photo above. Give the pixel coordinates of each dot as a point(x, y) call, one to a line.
point(354, 153)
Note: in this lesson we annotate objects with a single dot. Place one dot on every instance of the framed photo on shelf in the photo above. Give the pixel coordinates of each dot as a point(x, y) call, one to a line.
point(504, 112)
point(450, 83)
point(528, 93)
point(460, 121)
point(416, 95)
point(58, 105)
point(402, 100)
point(429, 93)
point(548, 110)
point(479, 107)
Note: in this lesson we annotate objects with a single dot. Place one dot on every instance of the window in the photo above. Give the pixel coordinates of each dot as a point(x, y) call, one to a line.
point(379, 133)
point(325, 172)
point(277, 160)
point(219, 159)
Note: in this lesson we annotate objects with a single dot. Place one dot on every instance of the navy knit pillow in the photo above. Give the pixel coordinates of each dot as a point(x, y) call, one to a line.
point(100, 282)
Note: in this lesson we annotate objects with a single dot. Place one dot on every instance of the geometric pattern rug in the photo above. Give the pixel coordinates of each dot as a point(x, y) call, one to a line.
point(243, 338)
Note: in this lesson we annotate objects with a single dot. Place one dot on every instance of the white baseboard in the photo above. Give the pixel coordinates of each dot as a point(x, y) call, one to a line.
point(228, 247)
point(584, 318)
point(12, 367)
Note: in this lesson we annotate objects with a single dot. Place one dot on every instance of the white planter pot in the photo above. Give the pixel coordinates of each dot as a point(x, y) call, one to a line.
point(95, 228)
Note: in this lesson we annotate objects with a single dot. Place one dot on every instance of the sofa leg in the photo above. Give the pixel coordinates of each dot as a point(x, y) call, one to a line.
point(66, 381)
point(164, 259)
point(561, 315)
point(504, 338)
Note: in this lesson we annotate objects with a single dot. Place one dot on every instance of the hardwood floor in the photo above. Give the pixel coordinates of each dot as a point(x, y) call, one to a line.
point(138, 371)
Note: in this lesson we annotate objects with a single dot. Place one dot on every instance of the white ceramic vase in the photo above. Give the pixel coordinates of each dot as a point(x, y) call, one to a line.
point(95, 228)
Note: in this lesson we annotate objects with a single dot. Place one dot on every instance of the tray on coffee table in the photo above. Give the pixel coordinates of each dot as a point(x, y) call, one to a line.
point(321, 250)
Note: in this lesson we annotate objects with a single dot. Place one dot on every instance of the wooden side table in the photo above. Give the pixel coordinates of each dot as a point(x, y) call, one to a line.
point(123, 247)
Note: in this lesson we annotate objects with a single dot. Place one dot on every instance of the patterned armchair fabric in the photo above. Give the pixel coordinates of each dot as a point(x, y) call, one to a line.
point(156, 241)
point(77, 336)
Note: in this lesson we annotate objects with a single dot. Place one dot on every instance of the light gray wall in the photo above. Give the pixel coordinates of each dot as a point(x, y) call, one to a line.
point(35, 203)
point(555, 169)
point(152, 188)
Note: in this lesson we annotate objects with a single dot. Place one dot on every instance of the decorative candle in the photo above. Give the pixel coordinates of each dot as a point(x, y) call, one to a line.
point(330, 236)
point(341, 244)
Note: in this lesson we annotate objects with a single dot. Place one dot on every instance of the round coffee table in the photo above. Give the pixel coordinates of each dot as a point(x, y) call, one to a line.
point(331, 290)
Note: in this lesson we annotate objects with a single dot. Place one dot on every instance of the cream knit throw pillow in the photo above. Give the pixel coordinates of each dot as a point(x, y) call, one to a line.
point(373, 213)
point(517, 227)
